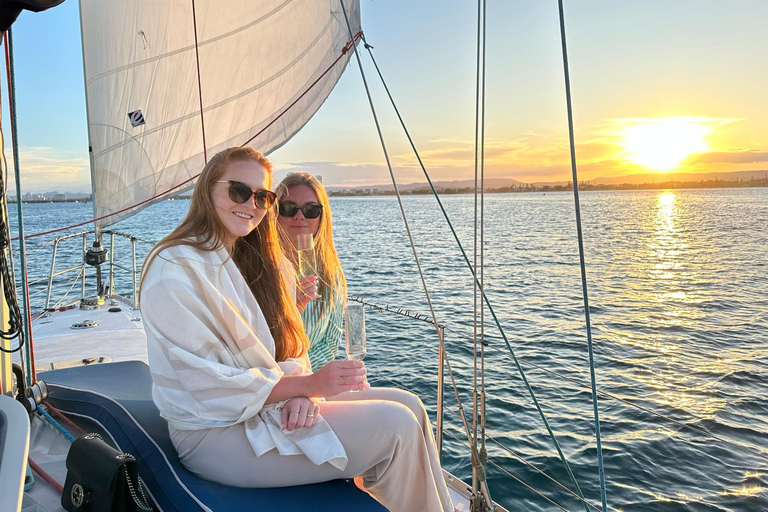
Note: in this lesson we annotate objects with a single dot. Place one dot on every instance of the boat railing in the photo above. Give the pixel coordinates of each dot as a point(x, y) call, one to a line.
point(132, 269)
point(80, 269)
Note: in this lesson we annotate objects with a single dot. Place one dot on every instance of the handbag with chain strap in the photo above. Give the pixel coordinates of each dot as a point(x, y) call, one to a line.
point(101, 479)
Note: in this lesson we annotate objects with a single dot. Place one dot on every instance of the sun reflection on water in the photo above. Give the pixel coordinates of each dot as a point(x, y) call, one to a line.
point(752, 490)
point(670, 292)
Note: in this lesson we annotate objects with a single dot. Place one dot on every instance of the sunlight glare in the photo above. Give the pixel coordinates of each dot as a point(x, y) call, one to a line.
point(661, 144)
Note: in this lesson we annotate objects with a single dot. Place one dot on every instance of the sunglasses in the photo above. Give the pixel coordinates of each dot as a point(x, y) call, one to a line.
point(239, 192)
point(309, 210)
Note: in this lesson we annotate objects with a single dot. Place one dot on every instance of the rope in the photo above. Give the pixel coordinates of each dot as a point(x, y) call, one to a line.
point(344, 50)
point(29, 353)
point(15, 320)
point(66, 420)
point(407, 228)
point(55, 424)
point(581, 257)
point(471, 269)
point(199, 82)
point(45, 476)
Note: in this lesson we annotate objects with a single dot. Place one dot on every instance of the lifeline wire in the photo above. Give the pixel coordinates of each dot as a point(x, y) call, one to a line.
point(471, 269)
point(407, 228)
point(581, 256)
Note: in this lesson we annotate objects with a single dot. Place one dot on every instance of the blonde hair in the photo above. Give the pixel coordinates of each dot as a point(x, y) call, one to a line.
point(331, 281)
point(258, 255)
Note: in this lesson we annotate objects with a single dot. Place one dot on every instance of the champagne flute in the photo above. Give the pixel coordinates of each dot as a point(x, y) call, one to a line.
point(354, 331)
point(307, 263)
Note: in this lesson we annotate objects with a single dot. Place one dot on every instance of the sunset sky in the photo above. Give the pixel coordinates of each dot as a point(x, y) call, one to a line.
point(658, 87)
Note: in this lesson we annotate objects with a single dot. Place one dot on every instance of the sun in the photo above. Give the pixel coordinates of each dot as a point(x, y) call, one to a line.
point(661, 144)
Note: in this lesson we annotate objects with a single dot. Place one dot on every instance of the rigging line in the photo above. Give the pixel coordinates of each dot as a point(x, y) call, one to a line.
point(405, 221)
point(344, 51)
point(474, 245)
point(359, 35)
point(562, 376)
point(581, 255)
point(471, 269)
point(510, 475)
point(29, 353)
point(541, 472)
point(74, 282)
point(199, 82)
point(482, 245)
point(504, 447)
point(626, 402)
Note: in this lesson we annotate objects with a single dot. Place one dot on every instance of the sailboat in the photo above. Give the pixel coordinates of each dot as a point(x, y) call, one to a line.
point(167, 85)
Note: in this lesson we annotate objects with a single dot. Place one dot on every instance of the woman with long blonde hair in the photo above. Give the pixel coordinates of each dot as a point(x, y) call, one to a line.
point(228, 357)
point(304, 210)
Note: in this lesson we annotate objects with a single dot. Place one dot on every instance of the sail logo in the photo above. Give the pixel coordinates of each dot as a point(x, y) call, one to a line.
point(136, 118)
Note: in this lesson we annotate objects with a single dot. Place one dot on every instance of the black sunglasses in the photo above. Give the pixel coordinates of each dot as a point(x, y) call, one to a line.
point(309, 210)
point(239, 192)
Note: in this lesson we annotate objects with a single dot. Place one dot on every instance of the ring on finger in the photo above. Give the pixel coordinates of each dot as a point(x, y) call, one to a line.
point(294, 410)
point(310, 415)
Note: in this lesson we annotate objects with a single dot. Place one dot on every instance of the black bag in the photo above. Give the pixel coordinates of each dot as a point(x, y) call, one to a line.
point(101, 479)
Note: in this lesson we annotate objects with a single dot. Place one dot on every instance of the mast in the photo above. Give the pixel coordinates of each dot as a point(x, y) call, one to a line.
point(88, 122)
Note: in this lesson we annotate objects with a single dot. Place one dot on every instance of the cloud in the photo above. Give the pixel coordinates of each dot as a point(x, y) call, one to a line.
point(529, 157)
point(728, 157)
point(44, 169)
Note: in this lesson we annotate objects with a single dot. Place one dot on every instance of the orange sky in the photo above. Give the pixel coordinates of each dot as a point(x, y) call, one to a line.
point(657, 86)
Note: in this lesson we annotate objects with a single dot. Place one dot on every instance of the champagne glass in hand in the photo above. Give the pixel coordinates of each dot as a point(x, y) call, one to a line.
point(307, 263)
point(354, 330)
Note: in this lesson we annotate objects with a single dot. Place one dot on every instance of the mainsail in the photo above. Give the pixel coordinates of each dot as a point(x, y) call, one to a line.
point(170, 83)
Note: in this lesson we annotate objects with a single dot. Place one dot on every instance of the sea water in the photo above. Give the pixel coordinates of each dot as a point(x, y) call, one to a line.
point(678, 290)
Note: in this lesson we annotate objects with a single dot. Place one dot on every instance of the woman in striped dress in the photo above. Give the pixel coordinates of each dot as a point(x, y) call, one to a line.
point(304, 209)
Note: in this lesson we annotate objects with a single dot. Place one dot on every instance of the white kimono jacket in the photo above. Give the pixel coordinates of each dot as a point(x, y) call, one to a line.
point(211, 355)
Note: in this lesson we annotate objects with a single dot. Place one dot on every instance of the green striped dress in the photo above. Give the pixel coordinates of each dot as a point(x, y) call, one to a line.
point(324, 329)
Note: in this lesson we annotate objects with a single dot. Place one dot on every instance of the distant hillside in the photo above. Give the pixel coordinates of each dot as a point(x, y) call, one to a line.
point(635, 179)
point(489, 183)
point(680, 176)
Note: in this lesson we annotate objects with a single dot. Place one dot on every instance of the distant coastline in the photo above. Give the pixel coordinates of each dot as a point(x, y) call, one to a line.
point(33, 201)
point(672, 184)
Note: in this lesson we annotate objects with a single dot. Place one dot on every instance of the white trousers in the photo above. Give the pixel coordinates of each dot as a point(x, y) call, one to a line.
point(385, 432)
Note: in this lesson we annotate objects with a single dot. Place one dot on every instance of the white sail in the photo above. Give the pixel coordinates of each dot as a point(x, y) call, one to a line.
point(254, 59)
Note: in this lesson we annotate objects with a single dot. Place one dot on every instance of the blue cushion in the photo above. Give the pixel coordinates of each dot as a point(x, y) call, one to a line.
point(118, 396)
